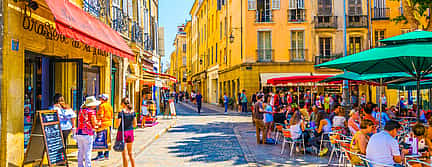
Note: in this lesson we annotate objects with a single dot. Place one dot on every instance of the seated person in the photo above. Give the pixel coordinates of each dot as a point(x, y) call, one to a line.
point(360, 140)
point(279, 116)
point(339, 120)
point(418, 131)
point(296, 125)
point(383, 148)
point(354, 122)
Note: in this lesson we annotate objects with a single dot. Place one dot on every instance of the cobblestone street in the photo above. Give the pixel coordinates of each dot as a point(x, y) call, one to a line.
point(215, 139)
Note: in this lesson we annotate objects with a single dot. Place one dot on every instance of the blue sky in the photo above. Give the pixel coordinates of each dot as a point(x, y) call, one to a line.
point(171, 14)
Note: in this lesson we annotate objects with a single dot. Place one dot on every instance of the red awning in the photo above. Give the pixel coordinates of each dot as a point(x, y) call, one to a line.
point(73, 22)
point(297, 79)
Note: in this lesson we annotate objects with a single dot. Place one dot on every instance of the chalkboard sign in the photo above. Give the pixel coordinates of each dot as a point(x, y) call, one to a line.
point(46, 138)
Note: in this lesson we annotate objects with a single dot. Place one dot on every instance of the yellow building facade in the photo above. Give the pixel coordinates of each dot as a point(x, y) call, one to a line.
point(178, 61)
point(39, 62)
point(239, 45)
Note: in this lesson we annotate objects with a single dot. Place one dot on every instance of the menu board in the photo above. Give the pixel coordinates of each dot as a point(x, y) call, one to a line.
point(54, 143)
point(46, 137)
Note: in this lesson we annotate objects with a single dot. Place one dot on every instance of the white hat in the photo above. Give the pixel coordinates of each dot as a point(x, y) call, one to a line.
point(104, 97)
point(352, 112)
point(91, 102)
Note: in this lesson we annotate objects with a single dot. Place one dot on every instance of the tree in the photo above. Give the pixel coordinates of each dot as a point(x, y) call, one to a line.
point(415, 14)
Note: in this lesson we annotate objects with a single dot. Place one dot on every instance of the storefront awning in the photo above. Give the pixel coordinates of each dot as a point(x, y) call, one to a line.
point(297, 79)
point(73, 22)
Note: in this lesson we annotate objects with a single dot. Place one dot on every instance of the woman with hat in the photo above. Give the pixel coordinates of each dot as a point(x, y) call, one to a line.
point(87, 123)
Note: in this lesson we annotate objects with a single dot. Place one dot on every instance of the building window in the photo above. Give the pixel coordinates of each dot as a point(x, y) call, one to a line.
point(225, 56)
point(296, 11)
point(354, 7)
point(263, 11)
point(325, 45)
point(219, 4)
point(216, 51)
point(379, 34)
point(325, 7)
point(184, 60)
point(297, 46)
point(212, 55)
point(252, 4)
point(184, 48)
point(276, 4)
point(264, 50)
point(354, 45)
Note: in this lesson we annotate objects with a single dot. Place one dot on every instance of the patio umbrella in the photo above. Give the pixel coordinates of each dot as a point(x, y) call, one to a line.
point(411, 85)
point(410, 53)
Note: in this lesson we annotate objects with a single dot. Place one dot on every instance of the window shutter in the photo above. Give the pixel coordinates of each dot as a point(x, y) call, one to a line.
point(125, 7)
point(139, 14)
point(130, 8)
point(252, 4)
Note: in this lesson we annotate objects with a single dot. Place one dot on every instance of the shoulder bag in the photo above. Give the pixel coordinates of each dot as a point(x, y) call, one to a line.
point(120, 145)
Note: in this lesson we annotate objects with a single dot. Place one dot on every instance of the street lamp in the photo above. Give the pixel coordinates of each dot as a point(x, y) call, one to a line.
point(231, 37)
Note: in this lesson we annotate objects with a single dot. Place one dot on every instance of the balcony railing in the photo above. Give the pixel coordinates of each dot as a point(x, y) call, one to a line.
point(296, 15)
point(298, 55)
point(263, 16)
point(325, 21)
point(357, 21)
point(148, 45)
point(380, 13)
point(325, 58)
point(120, 22)
point(265, 55)
point(136, 33)
point(92, 7)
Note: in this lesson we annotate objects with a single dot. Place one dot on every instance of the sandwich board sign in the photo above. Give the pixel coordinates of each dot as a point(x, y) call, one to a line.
point(46, 138)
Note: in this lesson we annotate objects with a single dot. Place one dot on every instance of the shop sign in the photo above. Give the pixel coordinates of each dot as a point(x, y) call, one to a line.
point(50, 33)
point(15, 45)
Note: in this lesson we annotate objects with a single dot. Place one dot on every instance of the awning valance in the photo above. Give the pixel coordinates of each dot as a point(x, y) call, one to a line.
point(73, 22)
point(297, 79)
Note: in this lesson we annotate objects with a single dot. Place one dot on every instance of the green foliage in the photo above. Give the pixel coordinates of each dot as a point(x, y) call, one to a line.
point(418, 12)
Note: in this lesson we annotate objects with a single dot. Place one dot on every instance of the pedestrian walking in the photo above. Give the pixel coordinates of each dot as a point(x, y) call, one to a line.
point(243, 99)
point(105, 116)
point(67, 116)
point(176, 97)
point(239, 104)
point(258, 118)
point(87, 123)
point(198, 98)
point(126, 122)
point(226, 100)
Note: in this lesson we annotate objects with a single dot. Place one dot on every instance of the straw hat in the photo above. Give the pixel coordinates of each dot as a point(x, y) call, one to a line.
point(91, 102)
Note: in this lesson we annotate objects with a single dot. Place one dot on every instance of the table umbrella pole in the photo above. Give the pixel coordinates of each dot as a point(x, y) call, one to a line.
point(298, 96)
point(418, 100)
point(380, 101)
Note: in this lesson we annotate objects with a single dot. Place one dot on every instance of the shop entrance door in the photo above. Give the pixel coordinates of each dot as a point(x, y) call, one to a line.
point(67, 78)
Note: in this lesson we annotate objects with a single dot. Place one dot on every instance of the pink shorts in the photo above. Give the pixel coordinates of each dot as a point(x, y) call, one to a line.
point(128, 136)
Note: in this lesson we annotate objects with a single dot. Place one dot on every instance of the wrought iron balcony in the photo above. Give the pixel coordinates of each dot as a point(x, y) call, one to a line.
point(357, 21)
point(136, 33)
point(93, 7)
point(380, 13)
point(325, 58)
point(298, 55)
point(120, 22)
point(264, 55)
point(325, 21)
point(263, 16)
point(148, 43)
point(296, 15)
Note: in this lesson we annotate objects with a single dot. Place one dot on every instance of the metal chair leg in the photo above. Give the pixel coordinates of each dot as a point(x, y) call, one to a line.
point(283, 146)
point(304, 147)
point(292, 148)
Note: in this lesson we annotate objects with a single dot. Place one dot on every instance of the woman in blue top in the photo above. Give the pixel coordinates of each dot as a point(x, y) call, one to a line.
point(268, 118)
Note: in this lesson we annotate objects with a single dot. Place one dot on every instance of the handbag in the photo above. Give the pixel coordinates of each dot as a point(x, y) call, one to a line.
point(119, 145)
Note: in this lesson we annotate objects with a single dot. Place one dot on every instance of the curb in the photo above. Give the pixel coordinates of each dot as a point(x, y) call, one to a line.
point(149, 142)
point(250, 158)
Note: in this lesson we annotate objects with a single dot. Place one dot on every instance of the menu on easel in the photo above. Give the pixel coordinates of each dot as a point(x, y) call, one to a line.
point(47, 133)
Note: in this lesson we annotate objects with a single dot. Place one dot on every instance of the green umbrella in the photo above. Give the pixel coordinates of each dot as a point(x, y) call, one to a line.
point(415, 36)
point(410, 53)
point(352, 76)
point(344, 76)
point(411, 85)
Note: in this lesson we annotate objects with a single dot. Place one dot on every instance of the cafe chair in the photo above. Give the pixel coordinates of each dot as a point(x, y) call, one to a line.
point(370, 163)
point(416, 163)
point(337, 146)
point(287, 139)
point(348, 155)
point(278, 131)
